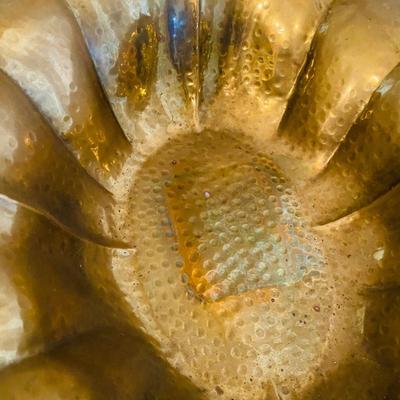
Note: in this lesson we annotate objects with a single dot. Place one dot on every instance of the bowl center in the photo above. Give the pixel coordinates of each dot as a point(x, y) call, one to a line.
point(234, 218)
point(227, 275)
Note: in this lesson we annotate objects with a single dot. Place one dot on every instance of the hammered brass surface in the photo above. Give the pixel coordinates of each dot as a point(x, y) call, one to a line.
point(343, 69)
point(109, 364)
point(137, 63)
point(199, 199)
point(38, 171)
point(42, 278)
point(44, 52)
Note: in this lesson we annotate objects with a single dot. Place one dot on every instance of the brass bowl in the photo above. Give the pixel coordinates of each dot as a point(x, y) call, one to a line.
point(199, 199)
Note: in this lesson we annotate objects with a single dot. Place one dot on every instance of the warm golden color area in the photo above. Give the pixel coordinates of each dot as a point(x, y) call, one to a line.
point(199, 199)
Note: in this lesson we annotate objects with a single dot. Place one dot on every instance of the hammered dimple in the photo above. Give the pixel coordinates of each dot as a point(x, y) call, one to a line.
point(199, 199)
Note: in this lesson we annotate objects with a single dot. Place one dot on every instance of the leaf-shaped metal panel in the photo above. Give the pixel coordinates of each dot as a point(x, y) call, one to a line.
point(42, 49)
point(241, 210)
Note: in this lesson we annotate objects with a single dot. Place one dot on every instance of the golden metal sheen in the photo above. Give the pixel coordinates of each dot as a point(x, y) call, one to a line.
point(200, 200)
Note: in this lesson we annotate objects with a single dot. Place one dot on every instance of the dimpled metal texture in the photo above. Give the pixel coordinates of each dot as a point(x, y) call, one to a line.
point(199, 199)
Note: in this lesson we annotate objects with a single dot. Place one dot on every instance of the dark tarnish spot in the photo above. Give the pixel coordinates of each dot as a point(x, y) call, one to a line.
point(219, 390)
point(137, 63)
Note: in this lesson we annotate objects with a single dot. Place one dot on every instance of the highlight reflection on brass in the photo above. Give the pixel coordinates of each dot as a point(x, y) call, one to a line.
point(52, 66)
point(199, 199)
point(38, 171)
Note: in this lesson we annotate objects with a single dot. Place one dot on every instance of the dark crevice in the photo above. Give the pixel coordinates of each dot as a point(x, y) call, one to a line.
point(351, 212)
point(101, 88)
point(301, 76)
point(56, 138)
point(97, 240)
point(356, 119)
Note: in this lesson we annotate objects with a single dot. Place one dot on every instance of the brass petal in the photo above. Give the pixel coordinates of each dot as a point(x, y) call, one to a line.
point(42, 49)
point(45, 295)
point(252, 235)
point(353, 51)
point(38, 171)
point(105, 365)
point(367, 163)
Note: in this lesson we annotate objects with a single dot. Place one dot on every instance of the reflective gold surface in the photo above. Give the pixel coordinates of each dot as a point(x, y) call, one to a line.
point(199, 199)
point(137, 63)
